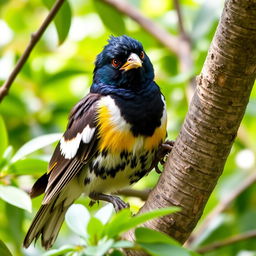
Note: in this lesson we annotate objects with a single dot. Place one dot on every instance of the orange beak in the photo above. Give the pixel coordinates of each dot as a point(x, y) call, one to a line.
point(133, 61)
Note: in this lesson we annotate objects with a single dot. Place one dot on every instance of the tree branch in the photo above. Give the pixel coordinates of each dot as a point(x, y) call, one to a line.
point(228, 241)
point(180, 19)
point(33, 41)
point(185, 55)
point(215, 113)
point(222, 206)
point(169, 41)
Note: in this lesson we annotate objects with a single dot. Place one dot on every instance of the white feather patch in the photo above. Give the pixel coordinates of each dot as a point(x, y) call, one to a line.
point(69, 147)
point(115, 115)
point(164, 115)
point(87, 134)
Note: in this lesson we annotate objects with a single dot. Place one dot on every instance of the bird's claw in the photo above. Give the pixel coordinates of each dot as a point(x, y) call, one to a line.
point(157, 169)
point(117, 202)
point(93, 202)
point(164, 149)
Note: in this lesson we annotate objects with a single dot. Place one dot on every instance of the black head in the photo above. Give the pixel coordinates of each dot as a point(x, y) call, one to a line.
point(124, 64)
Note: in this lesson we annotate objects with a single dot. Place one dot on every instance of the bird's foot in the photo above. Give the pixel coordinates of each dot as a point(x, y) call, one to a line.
point(93, 202)
point(163, 150)
point(117, 202)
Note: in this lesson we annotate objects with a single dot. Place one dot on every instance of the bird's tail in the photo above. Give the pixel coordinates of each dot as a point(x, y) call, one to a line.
point(47, 222)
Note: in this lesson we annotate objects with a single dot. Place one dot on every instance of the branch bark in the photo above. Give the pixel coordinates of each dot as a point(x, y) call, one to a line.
point(215, 113)
point(231, 240)
point(33, 41)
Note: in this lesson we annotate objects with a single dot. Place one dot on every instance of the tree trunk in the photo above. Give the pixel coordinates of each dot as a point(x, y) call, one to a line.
point(215, 113)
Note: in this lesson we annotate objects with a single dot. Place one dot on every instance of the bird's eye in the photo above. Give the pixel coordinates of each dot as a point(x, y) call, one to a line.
point(115, 63)
point(142, 55)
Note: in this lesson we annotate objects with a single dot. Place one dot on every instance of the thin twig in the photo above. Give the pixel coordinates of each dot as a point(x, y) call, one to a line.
point(180, 19)
point(142, 194)
point(165, 38)
point(228, 241)
point(33, 41)
point(186, 59)
point(222, 206)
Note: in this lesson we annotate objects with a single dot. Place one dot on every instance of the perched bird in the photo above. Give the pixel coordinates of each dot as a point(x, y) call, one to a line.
point(111, 141)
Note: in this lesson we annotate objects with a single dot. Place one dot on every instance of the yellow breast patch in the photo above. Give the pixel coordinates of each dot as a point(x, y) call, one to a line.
point(115, 134)
point(111, 138)
point(158, 136)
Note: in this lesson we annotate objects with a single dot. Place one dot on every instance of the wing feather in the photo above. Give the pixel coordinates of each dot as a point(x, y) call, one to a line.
point(62, 167)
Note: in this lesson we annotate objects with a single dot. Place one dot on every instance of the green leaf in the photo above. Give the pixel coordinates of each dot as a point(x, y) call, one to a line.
point(100, 250)
point(3, 136)
point(123, 220)
point(195, 253)
point(110, 17)
point(29, 166)
point(114, 226)
point(8, 153)
point(35, 144)
point(116, 253)
point(54, 78)
point(94, 230)
point(62, 20)
point(77, 218)
point(61, 251)
point(14, 223)
point(4, 161)
point(161, 249)
point(146, 235)
point(2, 2)
point(16, 197)
point(123, 244)
point(13, 107)
point(4, 251)
point(104, 213)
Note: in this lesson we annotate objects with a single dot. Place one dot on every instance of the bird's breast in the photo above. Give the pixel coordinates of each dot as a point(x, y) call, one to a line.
point(115, 133)
point(121, 158)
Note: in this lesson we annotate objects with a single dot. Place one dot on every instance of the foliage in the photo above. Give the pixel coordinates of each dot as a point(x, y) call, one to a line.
point(56, 76)
point(101, 234)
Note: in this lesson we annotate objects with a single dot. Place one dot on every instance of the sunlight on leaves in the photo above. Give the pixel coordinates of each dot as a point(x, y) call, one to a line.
point(16, 197)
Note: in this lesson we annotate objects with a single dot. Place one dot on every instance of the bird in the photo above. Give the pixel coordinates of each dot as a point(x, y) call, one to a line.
point(112, 138)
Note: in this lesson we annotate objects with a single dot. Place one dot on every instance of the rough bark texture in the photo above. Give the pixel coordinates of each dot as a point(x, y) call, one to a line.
point(216, 110)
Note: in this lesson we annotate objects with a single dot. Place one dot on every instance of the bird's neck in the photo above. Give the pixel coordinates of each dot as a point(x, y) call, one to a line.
point(127, 91)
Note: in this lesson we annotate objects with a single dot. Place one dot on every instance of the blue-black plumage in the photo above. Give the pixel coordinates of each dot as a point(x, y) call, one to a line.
point(111, 140)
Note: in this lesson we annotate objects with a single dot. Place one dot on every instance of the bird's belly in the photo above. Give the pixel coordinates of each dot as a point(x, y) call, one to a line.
point(112, 172)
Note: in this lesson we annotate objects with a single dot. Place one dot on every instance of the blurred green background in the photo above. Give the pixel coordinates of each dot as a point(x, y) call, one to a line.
point(56, 76)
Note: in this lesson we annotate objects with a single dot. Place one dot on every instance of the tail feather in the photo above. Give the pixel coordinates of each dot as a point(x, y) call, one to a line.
point(49, 218)
point(47, 223)
point(52, 227)
point(37, 225)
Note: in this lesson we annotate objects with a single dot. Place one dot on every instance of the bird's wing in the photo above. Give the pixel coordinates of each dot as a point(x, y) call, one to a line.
point(76, 147)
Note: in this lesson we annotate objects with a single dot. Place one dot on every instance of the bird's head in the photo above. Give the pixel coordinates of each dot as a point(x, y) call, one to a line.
point(123, 63)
